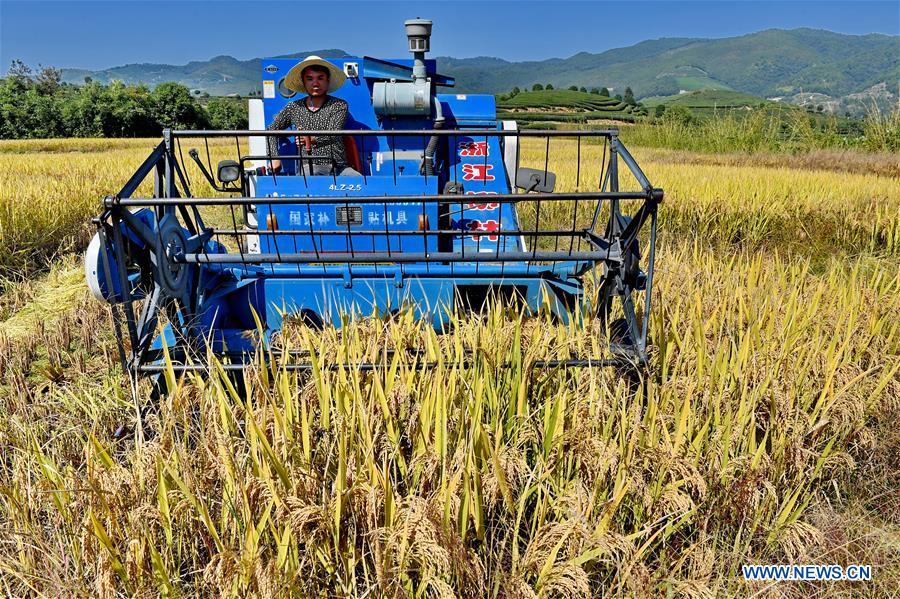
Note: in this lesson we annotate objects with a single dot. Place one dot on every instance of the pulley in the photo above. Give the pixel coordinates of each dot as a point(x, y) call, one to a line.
point(172, 276)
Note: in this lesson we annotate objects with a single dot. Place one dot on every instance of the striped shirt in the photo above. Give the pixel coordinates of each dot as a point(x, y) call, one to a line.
point(331, 116)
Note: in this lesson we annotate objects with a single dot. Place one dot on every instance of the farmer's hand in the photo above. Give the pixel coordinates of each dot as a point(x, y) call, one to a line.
point(308, 141)
point(276, 165)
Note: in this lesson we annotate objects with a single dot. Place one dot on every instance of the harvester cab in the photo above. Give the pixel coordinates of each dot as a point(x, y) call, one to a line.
point(443, 214)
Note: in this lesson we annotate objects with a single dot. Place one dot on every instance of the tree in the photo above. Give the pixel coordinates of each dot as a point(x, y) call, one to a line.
point(132, 111)
point(604, 92)
point(88, 79)
point(515, 92)
point(48, 80)
point(583, 90)
point(618, 97)
point(24, 112)
point(549, 86)
point(40, 107)
point(89, 113)
point(224, 113)
point(20, 71)
point(629, 97)
point(679, 114)
point(660, 109)
point(595, 91)
point(573, 88)
point(537, 87)
point(173, 107)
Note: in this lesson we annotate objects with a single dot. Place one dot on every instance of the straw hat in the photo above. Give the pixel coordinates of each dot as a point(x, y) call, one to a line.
point(294, 79)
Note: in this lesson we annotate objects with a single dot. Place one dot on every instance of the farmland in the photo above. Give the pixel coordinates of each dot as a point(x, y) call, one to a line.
point(536, 108)
point(706, 99)
point(764, 431)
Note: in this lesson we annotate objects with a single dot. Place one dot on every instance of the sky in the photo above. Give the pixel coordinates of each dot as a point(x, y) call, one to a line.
point(102, 34)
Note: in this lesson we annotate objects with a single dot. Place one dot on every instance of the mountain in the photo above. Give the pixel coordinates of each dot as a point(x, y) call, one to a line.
point(218, 76)
point(774, 62)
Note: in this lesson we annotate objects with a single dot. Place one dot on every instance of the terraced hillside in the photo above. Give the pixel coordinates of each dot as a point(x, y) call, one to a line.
point(565, 106)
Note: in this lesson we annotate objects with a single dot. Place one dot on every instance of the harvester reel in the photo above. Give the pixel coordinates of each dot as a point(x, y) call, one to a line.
point(629, 272)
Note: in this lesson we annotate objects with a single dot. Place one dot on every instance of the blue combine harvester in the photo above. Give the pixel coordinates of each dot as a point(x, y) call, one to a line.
point(443, 216)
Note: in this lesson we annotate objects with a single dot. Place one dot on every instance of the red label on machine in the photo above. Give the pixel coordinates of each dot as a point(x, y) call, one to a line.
point(485, 226)
point(485, 206)
point(477, 172)
point(488, 206)
point(474, 148)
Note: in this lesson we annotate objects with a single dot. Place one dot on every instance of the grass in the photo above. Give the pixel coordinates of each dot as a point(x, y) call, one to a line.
point(764, 431)
point(780, 130)
point(837, 160)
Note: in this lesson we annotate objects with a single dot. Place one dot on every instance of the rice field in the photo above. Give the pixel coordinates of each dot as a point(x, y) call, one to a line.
point(763, 431)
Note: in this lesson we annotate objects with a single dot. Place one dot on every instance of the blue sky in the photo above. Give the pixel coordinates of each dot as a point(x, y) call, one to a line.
point(96, 35)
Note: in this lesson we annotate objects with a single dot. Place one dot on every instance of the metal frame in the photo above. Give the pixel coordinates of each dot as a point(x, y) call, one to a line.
point(132, 241)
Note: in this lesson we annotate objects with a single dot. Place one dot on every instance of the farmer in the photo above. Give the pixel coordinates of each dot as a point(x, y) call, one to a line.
point(317, 111)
